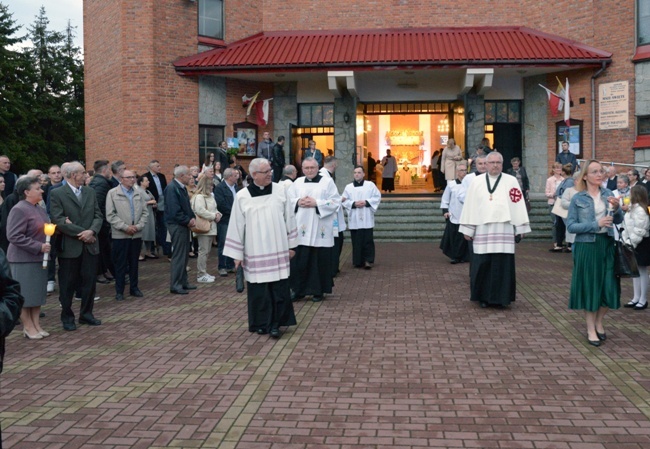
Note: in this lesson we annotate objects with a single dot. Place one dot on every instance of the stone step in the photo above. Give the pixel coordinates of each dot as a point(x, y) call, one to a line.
point(420, 219)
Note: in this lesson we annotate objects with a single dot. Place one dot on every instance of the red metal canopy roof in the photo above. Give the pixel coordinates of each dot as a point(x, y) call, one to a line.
point(390, 48)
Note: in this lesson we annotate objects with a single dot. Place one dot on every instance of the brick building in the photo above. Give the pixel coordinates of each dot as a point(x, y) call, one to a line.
point(165, 79)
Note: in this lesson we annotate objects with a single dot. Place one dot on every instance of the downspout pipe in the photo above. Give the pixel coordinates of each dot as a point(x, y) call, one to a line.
point(593, 108)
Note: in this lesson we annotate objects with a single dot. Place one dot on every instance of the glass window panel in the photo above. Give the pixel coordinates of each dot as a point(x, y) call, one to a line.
point(643, 21)
point(211, 18)
point(513, 112)
point(502, 112)
point(305, 115)
point(490, 114)
point(644, 125)
point(316, 115)
point(328, 115)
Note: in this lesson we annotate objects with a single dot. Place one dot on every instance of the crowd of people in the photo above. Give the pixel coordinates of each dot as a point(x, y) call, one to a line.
point(111, 219)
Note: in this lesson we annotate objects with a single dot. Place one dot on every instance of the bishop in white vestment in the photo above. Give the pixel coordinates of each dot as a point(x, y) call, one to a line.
point(361, 199)
point(493, 213)
point(315, 201)
point(261, 235)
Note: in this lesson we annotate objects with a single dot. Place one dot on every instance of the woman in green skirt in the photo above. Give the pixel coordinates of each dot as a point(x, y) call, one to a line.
point(594, 287)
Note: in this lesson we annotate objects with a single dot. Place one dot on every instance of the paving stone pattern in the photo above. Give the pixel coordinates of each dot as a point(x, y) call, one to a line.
point(397, 357)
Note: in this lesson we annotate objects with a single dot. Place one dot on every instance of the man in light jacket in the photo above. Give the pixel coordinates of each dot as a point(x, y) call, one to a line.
point(126, 211)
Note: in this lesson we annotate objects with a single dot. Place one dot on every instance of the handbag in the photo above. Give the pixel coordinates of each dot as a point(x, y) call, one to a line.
point(201, 225)
point(239, 279)
point(625, 265)
point(558, 209)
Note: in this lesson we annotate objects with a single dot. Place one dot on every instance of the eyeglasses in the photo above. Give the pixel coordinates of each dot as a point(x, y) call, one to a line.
point(128, 177)
point(266, 172)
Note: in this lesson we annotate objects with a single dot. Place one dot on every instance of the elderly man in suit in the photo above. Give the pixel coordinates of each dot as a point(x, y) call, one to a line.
point(179, 219)
point(74, 210)
point(224, 194)
point(157, 185)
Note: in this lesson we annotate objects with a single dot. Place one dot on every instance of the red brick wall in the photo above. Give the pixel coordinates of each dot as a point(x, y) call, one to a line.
point(235, 113)
point(137, 108)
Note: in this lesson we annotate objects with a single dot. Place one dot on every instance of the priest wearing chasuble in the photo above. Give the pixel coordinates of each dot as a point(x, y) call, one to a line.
point(493, 213)
point(315, 201)
point(261, 235)
point(361, 199)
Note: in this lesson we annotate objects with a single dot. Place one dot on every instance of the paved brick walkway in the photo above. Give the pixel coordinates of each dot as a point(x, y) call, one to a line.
point(397, 357)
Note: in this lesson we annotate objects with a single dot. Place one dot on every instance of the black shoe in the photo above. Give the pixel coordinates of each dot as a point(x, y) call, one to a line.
point(90, 321)
point(594, 342)
point(103, 281)
point(181, 291)
point(454, 261)
point(189, 287)
point(483, 305)
point(261, 331)
point(317, 298)
point(137, 293)
point(644, 306)
point(119, 297)
point(275, 333)
point(69, 327)
point(368, 266)
point(630, 304)
point(41, 315)
point(601, 337)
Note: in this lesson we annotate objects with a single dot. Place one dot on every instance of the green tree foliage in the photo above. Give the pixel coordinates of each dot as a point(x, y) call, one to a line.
point(41, 87)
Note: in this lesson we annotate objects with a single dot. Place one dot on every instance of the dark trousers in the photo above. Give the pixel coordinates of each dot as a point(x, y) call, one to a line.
point(105, 260)
point(79, 272)
point(125, 255)
point(180, 256)
point(336, 253)
point(161, 233)
point(363, 246)
point(51, 264)
point(225, 262)
point(269, 306)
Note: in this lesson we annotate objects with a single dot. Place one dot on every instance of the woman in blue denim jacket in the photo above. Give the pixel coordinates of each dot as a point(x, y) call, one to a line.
point(594, 287)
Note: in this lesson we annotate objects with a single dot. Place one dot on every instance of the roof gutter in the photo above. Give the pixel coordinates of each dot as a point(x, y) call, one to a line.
point(390, 65)
point(593, 108)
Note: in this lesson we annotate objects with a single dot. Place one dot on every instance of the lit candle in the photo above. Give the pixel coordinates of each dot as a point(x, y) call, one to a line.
point(49, 229)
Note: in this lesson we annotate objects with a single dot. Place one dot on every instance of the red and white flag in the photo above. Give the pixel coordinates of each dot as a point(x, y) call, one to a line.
point(554, 100)
point(262, 108)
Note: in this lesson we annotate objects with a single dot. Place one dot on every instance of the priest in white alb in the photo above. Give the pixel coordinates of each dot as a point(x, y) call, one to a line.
point(261, 234)
point(493, 215)
point(315, 201)
point(361, 199)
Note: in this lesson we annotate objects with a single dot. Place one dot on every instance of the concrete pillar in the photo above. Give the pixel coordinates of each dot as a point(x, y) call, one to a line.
point(344, 139)
point(285, 111)
point(535, 133)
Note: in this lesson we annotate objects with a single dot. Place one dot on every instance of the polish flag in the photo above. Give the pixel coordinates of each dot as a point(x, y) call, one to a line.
point(262, 108)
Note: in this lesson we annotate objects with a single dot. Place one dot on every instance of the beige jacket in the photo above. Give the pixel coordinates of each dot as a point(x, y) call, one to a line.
point(118, 213)
point(205, 207)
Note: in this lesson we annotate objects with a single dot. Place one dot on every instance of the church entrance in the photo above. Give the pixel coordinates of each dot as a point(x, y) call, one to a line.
point(414, 133)
point(300, 138)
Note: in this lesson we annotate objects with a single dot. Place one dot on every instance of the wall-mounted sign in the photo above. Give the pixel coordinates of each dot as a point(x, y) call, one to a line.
point(613, 105)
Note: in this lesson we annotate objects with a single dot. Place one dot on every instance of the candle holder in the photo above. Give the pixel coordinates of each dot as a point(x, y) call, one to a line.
point(49, 229)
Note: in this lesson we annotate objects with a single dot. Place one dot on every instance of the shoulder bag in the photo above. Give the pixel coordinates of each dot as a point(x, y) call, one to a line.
point(201, 225)
point(625, 265)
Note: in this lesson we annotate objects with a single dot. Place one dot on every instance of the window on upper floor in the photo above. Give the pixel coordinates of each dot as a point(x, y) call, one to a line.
point(211, 18)
point(643, 22)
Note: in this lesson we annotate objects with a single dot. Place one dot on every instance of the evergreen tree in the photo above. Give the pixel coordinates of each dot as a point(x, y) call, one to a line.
point(41, 101)
point(15, 89)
